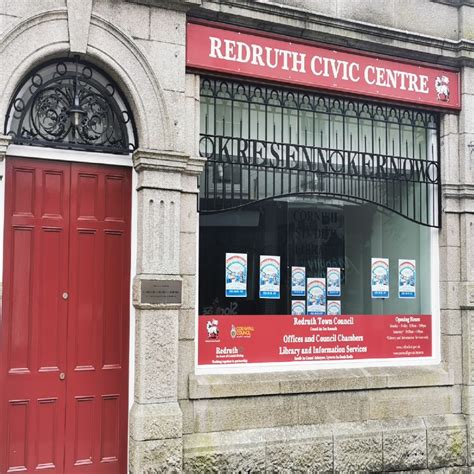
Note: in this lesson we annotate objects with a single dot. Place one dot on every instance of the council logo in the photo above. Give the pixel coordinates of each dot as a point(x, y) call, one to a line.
point(442, 88)
point(212, 329)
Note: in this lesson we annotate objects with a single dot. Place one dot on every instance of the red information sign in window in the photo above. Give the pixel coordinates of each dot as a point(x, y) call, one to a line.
point(239, 339)
point(252, 54)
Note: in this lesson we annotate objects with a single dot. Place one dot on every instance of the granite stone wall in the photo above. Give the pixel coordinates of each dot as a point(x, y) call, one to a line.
point(374, 419)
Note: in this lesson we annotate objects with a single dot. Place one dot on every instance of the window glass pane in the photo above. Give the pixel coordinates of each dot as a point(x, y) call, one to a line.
point(318, 182)
point(315, 233)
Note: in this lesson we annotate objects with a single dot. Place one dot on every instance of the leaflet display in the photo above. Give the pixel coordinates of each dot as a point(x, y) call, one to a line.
point(236, 275)
point(298, 307)
point(407, 279)
point(334, 307)
point(298, 281)
point(316, 296)
point(334, 282)
point(380, 278)
point(269, 277)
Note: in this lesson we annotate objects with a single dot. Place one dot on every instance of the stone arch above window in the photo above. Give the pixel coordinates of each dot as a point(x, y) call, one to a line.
point(70, 103)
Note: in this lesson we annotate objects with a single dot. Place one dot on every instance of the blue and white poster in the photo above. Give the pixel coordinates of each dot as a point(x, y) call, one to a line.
point(316, 295)
point(407, 279)
point(298, 281)
point(236, 275)
point(334, 307)
point(298, 307)
point(380, 278)
point(269, 277)
point(334, 282)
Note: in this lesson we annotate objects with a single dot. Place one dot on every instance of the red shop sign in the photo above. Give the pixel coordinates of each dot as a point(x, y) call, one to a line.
point(261, 57)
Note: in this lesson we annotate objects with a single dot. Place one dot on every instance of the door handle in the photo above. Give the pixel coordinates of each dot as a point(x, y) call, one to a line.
point(62, 376)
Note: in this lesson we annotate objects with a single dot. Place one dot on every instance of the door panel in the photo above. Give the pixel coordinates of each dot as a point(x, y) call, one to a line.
point(65, 310)
point(34, 320)
point(110, 428)
point(97, 398)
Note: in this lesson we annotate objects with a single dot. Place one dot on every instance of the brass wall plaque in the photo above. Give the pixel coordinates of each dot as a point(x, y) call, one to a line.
point(161, 291)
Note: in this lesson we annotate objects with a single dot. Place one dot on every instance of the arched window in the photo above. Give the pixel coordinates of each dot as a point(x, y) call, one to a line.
point(70, 103)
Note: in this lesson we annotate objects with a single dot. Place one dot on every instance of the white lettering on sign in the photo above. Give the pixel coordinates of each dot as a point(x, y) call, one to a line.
point(383, 77)
point(336, 68)
point(253, 54)
point(238, 51)
point(320, 66)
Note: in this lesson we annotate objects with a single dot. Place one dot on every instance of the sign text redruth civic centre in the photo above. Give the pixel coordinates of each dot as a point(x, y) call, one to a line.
point(254, 55)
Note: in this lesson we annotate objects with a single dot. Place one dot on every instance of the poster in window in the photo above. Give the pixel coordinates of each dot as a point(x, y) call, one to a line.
point(316, 296)
point(298, 307)
point(334, 282)
point(380, 278)
point(298, 281)
point(334, 307)
point(269, 277)
point(407, 278)
point(236, 275)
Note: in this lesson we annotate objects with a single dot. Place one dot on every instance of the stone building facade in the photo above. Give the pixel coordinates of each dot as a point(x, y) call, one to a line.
point(394, 418)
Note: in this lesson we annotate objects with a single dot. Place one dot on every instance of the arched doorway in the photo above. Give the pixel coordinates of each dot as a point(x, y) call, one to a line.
point(64, 331)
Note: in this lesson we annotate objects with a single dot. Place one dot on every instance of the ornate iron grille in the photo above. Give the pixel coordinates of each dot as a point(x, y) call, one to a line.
point(69, 103)
point(265, 142)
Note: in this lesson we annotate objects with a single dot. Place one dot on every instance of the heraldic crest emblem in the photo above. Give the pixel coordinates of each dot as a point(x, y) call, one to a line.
point(442, 88)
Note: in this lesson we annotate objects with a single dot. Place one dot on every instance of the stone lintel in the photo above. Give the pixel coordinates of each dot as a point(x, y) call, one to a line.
point(167, 161)
point(156, 421)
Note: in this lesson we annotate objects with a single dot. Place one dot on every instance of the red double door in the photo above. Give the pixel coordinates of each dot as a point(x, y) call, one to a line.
point(64, 325)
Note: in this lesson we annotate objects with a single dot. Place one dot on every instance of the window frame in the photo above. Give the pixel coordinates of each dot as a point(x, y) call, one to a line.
point(325, 366)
